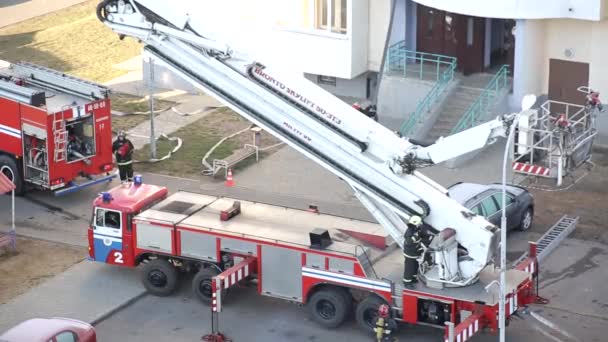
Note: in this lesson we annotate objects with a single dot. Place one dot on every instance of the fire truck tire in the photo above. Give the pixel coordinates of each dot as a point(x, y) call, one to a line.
point(328, 307)
point(367, 312)
point(9, 167)
point(202, 284)
point(160, 278)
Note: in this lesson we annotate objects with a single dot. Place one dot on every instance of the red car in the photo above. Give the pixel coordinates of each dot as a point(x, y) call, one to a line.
point(50, 330)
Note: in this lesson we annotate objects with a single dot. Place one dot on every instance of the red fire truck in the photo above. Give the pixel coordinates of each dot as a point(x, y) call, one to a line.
point(54, 128)
point(296, 255)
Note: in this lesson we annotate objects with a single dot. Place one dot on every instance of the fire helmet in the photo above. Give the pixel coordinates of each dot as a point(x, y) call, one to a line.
point(415, 220)
point(383, 311)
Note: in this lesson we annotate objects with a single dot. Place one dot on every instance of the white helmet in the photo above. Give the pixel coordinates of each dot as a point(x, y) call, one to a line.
point(415, 220)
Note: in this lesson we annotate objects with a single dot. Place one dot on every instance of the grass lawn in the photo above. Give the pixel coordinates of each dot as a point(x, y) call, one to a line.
point(132, 104)
point(197, 139)
point(71, 40)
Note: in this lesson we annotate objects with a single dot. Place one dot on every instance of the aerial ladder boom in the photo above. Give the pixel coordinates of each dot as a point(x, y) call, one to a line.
point(380, 166)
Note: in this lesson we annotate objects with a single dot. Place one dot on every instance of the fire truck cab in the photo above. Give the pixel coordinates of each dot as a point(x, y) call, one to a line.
point(111, 232)
point(55, 128)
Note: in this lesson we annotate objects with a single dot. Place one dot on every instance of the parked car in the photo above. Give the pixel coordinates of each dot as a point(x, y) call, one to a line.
point(50, 330)
point(486, 200)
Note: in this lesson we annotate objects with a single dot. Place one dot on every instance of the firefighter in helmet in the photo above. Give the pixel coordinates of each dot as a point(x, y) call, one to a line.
point(385, 325)
point(412, 249)
point(123, 150)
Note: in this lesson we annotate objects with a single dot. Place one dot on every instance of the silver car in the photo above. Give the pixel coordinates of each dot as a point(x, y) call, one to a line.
point(486, 200)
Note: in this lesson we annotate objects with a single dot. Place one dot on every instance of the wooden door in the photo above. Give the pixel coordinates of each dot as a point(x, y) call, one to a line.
point(471, 56)
point(564, 78)
point(429, 30)
point(452, 34)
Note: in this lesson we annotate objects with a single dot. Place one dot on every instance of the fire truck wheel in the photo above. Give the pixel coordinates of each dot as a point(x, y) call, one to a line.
point(367, 312)
point(9, 167)
point(202, 284)
point(159, 277)
point(328, 307)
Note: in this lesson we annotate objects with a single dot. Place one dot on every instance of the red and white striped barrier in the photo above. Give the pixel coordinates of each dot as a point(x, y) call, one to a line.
point(231, 279)
point(531, 169)
point(466, 329)
point(511, 304)
point(228, 278)
point(214, 295)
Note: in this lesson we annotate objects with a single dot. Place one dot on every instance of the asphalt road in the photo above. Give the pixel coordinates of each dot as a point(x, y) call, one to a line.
point(252, 318)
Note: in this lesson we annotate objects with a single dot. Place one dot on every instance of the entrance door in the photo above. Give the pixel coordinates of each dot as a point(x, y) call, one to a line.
point(452, 34)
point(564, 78)
point(107, 236)
point(429, 30)
point(471, 55)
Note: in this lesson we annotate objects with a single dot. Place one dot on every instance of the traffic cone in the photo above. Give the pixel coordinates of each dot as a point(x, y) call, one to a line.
point(229, 180)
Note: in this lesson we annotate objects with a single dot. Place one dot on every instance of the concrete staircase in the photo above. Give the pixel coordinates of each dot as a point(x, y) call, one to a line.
point(452, 109)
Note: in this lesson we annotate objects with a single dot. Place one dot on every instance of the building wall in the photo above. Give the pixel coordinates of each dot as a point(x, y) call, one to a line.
point(379, 21)
point(523, 9)
point(538, 41)
point(399, 28)
point(359, 36)
point(355, 88)
point(531, 65)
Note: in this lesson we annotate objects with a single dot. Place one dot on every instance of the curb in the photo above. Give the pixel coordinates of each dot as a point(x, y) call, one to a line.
point(119, 307)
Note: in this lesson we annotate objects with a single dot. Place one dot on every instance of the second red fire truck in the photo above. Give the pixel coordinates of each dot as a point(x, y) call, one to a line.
point(55, 130)
point(296, 255)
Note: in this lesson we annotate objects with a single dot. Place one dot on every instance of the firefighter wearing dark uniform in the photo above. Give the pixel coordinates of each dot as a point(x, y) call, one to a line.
point(412, 249)
point(385, 326)
point(123, 150)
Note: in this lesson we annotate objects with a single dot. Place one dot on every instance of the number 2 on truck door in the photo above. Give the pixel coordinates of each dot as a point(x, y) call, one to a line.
point(107, 236)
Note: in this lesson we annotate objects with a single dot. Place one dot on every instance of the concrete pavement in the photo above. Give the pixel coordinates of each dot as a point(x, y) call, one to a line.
point(87, 291)
point(14, 11)
point(249, 317)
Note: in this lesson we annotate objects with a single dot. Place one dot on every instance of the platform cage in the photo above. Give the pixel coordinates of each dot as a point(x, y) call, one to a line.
point(554, 142)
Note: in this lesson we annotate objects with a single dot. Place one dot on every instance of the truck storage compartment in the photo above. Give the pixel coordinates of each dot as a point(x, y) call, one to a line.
point(36, 158)
point(81, 139)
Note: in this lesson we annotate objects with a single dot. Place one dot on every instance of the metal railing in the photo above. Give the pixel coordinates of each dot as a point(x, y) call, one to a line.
point(479, 110)
point(421, 65)
point(425, 105)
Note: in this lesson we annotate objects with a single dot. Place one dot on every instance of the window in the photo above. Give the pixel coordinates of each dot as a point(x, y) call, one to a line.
point(327, 80)
point(430, 22)
point(66, 336)
point(498, 198)
point(478, 210)
point(489, 206)
point(450, 34)
point(107, 218)
point(470, 28)
point(334, 12)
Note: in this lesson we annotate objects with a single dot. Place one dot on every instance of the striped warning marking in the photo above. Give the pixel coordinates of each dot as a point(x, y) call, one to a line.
point(470, 328)
point(531, 169)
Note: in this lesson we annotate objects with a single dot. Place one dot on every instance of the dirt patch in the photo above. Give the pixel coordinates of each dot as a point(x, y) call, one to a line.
point(587, 199)
point(198, 137)
point(33, 263)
